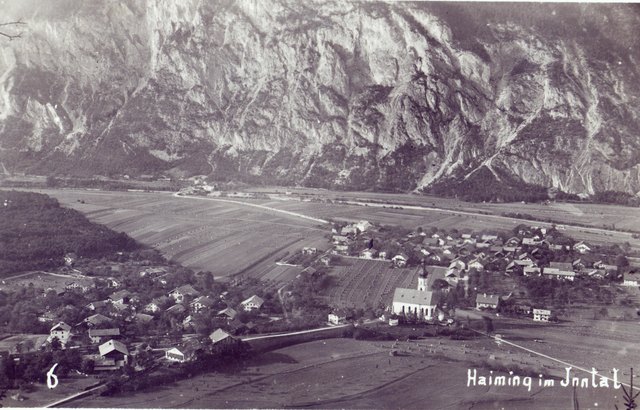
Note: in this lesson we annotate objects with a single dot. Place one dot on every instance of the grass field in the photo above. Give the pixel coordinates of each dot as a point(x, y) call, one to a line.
point(595, 215)
point(344, 373)
point(41, 280)
point(464, 216)
point(224, 238)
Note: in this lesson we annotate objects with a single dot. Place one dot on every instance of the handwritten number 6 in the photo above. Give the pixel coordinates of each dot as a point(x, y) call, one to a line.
point(52, 379)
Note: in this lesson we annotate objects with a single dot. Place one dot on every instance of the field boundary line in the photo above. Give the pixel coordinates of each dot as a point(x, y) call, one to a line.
point(502, 340)
point(282, 211)
point(470, 213)
point(299, 332)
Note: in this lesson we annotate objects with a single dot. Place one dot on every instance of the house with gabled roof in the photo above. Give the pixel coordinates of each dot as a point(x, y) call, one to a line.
point(177, 309)
point(489, 238)
point(596, 273)
point(531, 241)
point(567, 266)
point(77, 286)
point(60, 331)
point(484, 301)
point(340, 239)
point(253, 303)
point(70, 258)
point(179, 293)
point(581, 247)
point(476, 264)
point(113, 283)
point(531, 271)
point(400, 260)
point(97, 320)
point(184, 352)
point(517, 265)
point(434, 242)
point(483, 245)
point(47, 317)
point(228, 313)
point(142, 318)
point(541, 315)
point(152, 272)
point(99, 335)
point(178, 354)
point(368, 253)
point(458, 264)
point(337, 317)
point(156, 304)
point(114, 355)
point(97, 304)
point(578, 264)
point(202, 302)
point(631, 279)
point(120, 299)
point(512, 242)
point(558, 273)
point(222, 340)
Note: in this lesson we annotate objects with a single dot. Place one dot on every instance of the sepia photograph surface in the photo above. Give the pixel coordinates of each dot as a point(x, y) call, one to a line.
point(319, 204)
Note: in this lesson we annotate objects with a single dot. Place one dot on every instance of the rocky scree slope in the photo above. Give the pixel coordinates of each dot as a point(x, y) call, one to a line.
point(444, 98)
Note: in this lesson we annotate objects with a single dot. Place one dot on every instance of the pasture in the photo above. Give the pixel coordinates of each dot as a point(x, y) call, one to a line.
point(224, 238)
point(345, 373)
point(594, 215)
point(480, 217)
point(368, 283)
point(42, 280)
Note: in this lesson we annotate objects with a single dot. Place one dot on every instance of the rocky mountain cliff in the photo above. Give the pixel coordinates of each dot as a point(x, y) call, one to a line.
point(361, 95)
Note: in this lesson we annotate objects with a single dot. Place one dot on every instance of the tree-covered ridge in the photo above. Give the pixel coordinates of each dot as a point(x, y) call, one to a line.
point(36, 233)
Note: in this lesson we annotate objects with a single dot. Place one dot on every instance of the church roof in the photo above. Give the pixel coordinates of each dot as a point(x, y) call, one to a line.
point(414, 296)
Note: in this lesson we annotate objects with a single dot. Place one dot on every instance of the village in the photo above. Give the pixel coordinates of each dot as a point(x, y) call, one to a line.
point(465, 269)
point(134, 313)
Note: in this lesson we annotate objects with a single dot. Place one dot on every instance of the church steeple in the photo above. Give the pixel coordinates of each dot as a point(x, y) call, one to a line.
point(422, 279)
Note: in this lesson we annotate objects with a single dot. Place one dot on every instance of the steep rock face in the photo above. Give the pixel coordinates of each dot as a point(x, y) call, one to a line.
point(343, 94)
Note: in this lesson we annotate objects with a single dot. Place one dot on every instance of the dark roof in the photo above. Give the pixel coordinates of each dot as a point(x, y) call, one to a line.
point(185, 290)
point(62, 326)
point(121, 294)
point(561, 265)
point(255, 299)
point(97, 319)
point(143, 317)
point(104, 332)
point(176, 308)
point(230, 312)
point(204, 300)
point(488, 299)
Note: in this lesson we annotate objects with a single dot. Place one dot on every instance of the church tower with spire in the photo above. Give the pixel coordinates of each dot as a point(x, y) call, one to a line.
point(422, 279)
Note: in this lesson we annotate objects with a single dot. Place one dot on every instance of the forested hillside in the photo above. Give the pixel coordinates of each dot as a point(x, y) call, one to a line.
point(36, 233)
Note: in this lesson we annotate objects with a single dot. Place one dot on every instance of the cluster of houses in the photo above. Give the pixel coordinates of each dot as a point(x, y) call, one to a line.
point(184, 301)
point(457, 257)
point(99, 333)
point(109, 353)
point(188, 350)
point(113, 354)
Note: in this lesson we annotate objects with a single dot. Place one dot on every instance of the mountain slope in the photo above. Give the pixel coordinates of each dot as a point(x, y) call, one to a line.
point(388, 96)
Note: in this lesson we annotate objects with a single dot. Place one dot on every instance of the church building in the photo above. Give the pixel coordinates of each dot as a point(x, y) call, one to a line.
point(419, 302)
